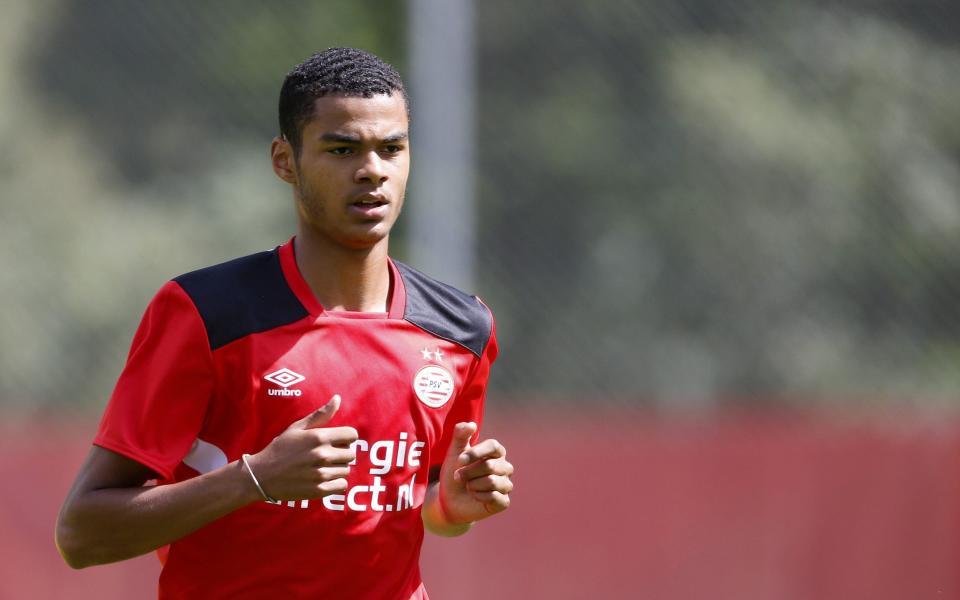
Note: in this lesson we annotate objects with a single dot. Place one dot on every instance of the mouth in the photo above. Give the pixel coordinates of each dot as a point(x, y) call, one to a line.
point(370, 200)
point(370, 205)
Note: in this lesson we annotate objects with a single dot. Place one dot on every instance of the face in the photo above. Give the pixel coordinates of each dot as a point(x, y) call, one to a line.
point(351, 175)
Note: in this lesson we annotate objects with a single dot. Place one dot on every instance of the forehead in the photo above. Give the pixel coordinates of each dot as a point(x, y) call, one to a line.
point(380, 115)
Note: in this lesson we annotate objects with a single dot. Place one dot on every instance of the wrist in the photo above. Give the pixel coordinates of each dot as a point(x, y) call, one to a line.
point(245, 459)
point(435, 517)
point(246, 490)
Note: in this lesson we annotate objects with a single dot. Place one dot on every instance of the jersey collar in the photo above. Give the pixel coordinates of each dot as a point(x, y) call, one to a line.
point(288, 262)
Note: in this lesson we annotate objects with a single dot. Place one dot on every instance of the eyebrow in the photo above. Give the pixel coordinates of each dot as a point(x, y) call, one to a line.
point(353, 139)
point(397, 137)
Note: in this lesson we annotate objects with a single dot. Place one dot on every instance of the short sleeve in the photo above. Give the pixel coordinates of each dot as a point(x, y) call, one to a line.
point(161, 397)
point(468, 405)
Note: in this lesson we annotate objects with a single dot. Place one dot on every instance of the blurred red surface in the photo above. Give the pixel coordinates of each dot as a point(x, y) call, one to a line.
point(620, 505)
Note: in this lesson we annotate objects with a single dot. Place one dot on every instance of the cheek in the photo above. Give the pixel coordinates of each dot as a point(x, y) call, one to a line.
point(310, 202)
point(400, 179)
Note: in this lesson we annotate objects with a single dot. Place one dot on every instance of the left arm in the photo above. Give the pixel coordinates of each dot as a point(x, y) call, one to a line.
point(474, 484)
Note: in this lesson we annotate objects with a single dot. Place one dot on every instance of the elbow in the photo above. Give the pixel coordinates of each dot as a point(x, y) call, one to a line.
point(69, 552)
point(71, 547)
point(74, 561)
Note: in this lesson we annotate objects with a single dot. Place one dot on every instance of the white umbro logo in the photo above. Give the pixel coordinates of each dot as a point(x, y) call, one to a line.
point(284, 378)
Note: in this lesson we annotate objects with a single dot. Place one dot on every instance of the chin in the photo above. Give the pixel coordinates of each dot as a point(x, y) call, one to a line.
point(364, 242)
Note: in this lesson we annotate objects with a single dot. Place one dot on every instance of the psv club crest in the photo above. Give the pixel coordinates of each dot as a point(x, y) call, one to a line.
point(433, 385)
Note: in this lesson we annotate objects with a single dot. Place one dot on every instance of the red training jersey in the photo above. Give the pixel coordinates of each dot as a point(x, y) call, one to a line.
point(228, 357)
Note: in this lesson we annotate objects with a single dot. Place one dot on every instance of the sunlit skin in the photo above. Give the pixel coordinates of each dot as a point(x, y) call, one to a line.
point(357, 149)
point(352, 150)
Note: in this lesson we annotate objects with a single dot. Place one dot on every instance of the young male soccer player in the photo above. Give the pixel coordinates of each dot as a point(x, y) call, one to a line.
point(308, 409)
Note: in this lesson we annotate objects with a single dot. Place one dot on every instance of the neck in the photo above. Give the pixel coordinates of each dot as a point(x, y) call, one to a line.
point(344, 278)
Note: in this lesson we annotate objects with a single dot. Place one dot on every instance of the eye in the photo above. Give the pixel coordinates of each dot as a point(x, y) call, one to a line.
point(393, 149)
point(339, 150)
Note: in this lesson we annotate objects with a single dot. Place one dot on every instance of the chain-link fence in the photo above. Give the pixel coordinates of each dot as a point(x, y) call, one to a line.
point(679, 202)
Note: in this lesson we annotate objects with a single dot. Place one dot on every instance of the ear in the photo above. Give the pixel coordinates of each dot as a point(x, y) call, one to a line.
point(284, 163)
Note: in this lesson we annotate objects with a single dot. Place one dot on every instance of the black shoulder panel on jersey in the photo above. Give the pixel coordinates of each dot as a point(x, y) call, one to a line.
point(445, 311)
point(246, 295)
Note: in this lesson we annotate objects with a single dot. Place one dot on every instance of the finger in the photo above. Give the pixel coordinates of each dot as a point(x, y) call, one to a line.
point(462, 433)
point(340, 437)
point(334, 486)
point(491, 483)
point(332, 473)
point(319, 417)
point(491, 466)
point(485, 449)
point(325, 456)
point(493, 502)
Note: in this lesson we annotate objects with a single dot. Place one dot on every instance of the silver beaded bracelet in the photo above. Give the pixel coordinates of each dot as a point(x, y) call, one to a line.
point(244, 457)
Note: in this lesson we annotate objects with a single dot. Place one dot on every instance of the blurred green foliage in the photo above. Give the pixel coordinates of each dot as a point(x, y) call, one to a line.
point(750, 201)
point(680, 202)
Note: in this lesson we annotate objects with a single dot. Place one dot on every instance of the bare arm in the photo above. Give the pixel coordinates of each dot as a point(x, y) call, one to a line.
point(108, 515)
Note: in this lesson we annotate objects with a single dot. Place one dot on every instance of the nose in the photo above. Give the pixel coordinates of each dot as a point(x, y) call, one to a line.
point(373, 169)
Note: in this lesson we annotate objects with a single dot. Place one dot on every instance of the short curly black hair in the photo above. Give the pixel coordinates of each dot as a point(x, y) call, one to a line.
point(335, 71)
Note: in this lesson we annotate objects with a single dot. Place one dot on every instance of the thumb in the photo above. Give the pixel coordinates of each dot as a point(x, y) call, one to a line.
point(462, 433)
point(319, 417)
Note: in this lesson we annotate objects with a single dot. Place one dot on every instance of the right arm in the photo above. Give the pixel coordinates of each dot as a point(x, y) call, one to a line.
point(109, 516)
